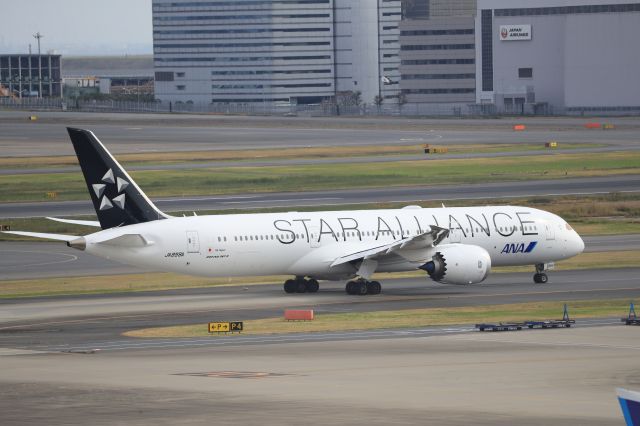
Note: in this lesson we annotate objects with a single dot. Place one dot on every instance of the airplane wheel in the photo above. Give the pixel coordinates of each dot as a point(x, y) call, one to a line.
point(374, 287)
point(313, 286)
point(301, 286)
point(352, 287)
point(540, 278)
point(361, 288)
point(290, 286)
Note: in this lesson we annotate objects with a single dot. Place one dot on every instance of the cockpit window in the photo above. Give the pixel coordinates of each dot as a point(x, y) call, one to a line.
point(568, 227)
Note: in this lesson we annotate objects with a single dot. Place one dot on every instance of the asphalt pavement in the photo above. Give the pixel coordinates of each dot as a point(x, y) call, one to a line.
point(443, 193)
point(135, 133)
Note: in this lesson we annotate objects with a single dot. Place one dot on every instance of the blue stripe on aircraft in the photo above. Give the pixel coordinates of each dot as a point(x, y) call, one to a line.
point(531, 246)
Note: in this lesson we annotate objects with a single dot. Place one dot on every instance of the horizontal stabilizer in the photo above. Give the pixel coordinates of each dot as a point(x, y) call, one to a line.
point(127, 240)
point(58, 237)
point(93, 223)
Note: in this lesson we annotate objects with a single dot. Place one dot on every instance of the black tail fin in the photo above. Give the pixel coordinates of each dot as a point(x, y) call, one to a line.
point(116, 197)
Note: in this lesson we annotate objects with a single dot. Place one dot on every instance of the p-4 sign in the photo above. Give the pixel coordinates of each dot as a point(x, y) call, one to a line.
point(226, 327)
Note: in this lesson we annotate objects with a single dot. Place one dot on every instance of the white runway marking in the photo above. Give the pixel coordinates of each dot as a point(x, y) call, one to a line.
point(231, 197)
point(285, 200)
point(70, 258)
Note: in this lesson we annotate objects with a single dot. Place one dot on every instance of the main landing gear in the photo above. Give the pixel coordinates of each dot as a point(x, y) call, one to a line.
point(362, 287)
point(301, 285)
point(540, 277)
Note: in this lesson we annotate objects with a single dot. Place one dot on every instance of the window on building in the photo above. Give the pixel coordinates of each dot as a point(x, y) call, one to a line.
point(164, 76)
point(181, 87)
point(179, 74)
point(525, 72)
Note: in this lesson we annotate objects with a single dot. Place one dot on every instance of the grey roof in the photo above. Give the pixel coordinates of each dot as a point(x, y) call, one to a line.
point(107, 66)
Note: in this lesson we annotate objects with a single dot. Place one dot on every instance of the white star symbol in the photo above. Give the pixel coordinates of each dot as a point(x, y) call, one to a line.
point(98, 188)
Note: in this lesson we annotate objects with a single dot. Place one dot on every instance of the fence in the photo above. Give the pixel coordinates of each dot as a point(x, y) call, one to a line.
point(324, 109)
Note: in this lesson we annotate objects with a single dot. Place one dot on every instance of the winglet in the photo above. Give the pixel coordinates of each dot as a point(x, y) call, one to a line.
point(630, 405)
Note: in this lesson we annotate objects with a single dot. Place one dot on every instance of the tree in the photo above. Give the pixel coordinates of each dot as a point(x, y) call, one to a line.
point(349, 98)
point(402, 100)
point(357, 98)
point(378, 100)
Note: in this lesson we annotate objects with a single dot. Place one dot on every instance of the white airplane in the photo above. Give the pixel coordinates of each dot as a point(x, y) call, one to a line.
point(452, 245)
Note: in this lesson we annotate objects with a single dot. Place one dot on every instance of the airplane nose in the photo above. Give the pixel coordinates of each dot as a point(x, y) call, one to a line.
point(579, 244)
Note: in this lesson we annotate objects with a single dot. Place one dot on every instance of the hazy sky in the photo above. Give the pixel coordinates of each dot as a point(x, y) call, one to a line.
point(77, 27)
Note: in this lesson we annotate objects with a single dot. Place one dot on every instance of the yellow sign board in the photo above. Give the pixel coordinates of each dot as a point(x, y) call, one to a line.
point(226, 327)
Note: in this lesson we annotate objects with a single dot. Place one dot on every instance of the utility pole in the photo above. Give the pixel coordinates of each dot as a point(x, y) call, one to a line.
point(30, 76)
point(38, 36)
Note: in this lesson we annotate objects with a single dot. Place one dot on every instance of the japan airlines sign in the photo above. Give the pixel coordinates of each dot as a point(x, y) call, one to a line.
point(515, 32)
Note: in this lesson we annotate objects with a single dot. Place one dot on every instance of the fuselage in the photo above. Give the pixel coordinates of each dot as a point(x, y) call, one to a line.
point(306, 243)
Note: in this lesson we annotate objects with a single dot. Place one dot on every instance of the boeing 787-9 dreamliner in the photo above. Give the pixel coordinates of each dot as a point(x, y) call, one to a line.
point(456, 245)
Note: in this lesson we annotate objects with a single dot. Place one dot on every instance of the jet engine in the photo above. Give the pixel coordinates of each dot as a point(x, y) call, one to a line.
point(458, 264)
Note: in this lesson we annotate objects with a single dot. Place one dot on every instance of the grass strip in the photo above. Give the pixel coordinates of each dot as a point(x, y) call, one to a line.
point(409, 318)
point(239, 180)
point(152, 158)
point(125, 283)
point(104, 284)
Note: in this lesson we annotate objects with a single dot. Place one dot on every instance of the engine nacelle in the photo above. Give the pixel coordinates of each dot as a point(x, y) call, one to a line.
point(459, 264)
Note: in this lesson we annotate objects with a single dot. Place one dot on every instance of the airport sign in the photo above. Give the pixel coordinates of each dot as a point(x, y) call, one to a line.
point(515, 32)
point(226, 327)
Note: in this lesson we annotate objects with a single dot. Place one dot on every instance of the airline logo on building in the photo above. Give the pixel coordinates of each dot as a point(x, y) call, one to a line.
point(515, 32)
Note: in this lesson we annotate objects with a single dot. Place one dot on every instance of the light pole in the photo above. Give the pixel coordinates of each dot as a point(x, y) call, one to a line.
point(38, 36)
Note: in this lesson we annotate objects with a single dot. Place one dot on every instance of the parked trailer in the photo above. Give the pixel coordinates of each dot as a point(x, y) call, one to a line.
point(550, 324)
point(500, 326)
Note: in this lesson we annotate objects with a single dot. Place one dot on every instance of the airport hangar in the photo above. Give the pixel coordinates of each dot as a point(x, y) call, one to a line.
point(573, 56)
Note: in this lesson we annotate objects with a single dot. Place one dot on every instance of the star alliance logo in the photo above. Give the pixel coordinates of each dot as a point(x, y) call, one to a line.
point(99, 188)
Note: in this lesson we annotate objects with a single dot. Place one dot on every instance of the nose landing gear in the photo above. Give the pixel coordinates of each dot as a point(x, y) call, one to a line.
point(540, 277)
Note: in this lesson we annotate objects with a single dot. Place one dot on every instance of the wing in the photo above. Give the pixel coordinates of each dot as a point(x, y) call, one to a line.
point(430, 238)
point(93, 223)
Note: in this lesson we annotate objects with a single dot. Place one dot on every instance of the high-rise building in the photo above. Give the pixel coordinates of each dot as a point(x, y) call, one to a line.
point(437, 52)
point(297, 51)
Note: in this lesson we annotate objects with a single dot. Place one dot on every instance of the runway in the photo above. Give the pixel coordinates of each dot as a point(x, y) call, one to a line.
point(49, 323)
point(443, 193)
point(134, 133)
